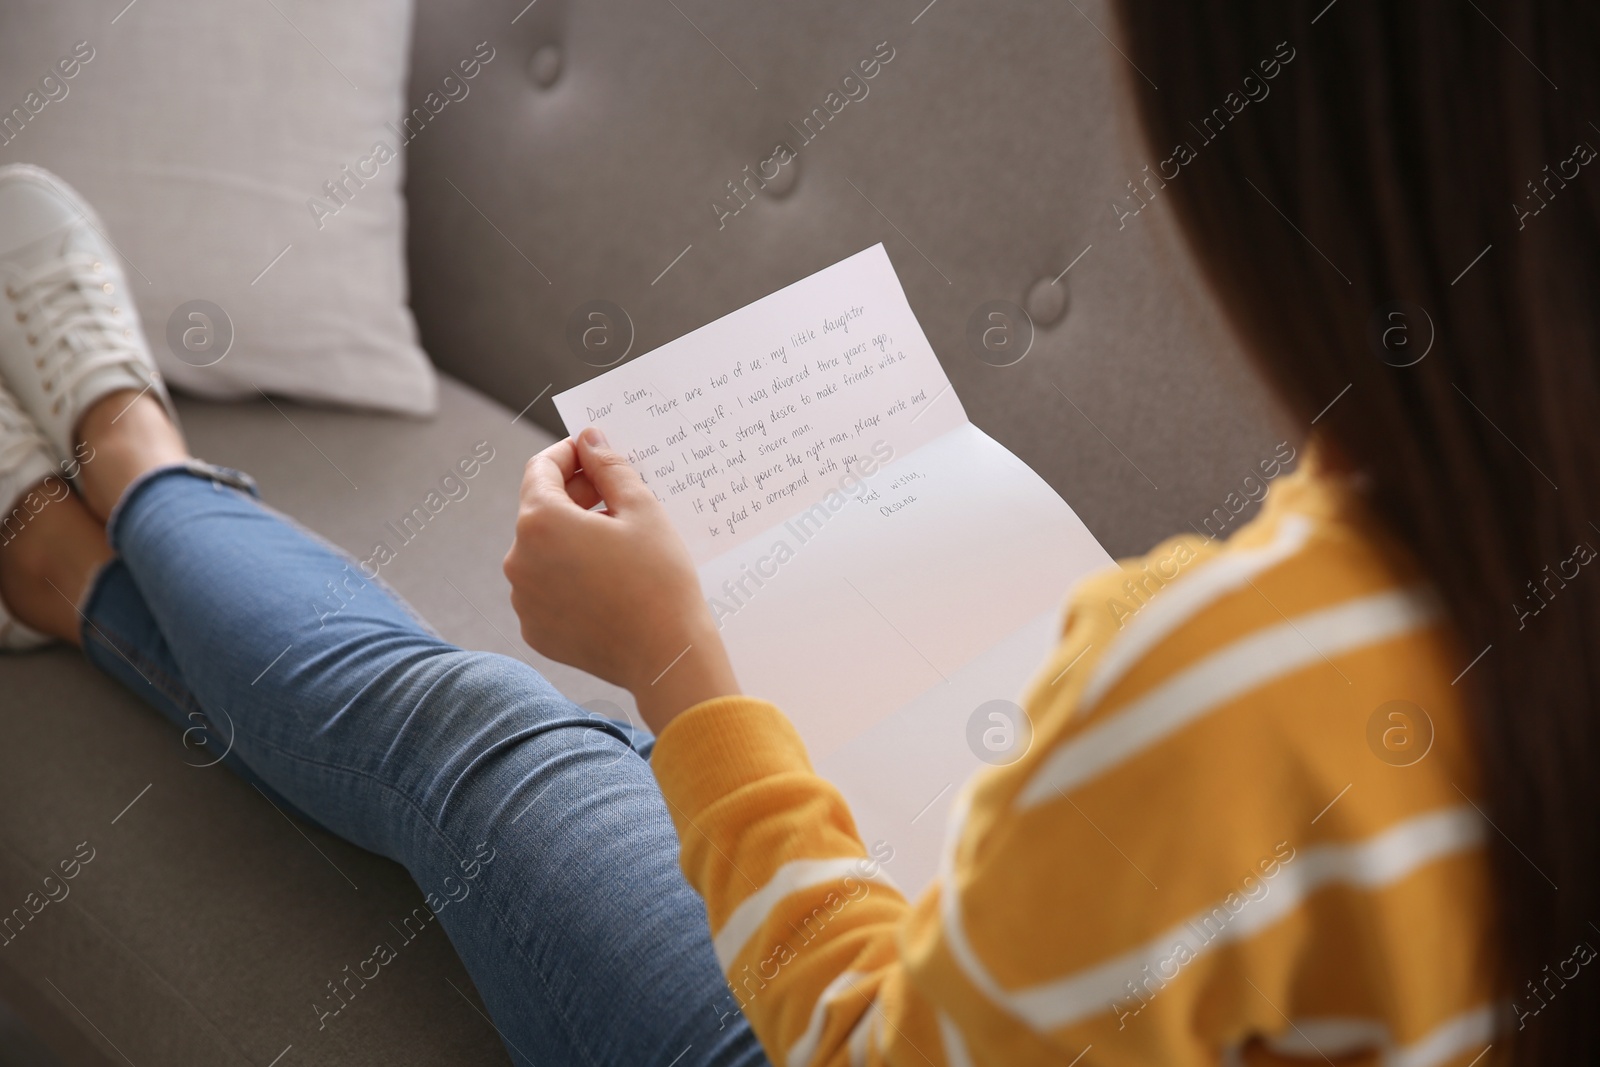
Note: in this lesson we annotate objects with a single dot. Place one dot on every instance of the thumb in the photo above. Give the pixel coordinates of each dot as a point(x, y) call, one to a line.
point(609, 470)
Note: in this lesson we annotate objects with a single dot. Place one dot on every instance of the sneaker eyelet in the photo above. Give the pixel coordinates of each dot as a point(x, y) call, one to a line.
point(98, 266)
point(32, 340)
point(22, 316)
point(108, 287)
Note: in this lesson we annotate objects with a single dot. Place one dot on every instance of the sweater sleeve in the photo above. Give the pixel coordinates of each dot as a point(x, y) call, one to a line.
point(804, 919)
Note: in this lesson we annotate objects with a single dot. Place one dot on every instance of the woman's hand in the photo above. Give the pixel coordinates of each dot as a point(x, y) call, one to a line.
point(613, 593)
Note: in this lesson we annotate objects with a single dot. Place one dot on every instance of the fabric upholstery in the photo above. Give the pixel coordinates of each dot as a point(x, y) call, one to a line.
point(985, 155)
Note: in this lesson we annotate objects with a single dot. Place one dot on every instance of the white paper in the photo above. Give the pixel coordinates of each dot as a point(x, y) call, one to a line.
point(879, 610)
point(754, 417)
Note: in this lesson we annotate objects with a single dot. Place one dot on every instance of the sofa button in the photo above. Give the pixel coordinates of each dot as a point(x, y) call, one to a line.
point(544, 67)
point(1046, 301)
point(782, 183)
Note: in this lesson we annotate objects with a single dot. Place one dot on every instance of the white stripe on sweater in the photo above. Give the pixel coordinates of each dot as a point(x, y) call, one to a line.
point(955, 1046)
point(1186, 599)
point(805, 1047)
point(1377, 861)
point(1464, 1034)
point(863, 1037)
point(1455, 1038)
point(1329, 1037)
point(1225, 675)
point(792, 877)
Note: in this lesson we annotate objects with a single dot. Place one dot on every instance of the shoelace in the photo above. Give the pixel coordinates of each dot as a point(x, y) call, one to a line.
point(73, 322)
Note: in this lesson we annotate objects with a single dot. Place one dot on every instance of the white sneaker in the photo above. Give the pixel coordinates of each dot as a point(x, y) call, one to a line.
point(25, 461)
point(69, 331)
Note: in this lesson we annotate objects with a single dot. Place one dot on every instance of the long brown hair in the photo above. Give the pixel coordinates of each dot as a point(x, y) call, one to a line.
point(1420, 173)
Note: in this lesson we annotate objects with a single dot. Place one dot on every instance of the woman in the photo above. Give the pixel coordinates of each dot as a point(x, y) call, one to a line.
point(1252, 825)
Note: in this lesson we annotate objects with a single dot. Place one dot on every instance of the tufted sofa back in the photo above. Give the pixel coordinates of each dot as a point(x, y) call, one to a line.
point(680, 158)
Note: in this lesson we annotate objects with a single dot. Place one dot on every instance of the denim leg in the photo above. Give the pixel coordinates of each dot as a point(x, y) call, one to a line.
point(121, 638)
point(536, 831)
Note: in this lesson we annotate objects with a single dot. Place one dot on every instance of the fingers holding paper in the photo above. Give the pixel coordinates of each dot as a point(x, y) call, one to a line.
point(557, 468)
point(613, 592)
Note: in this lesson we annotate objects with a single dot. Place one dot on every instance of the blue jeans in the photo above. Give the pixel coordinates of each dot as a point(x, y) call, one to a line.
point(534, 828)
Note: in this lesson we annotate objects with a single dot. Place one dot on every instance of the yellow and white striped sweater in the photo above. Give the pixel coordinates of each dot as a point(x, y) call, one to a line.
point(1245, 832)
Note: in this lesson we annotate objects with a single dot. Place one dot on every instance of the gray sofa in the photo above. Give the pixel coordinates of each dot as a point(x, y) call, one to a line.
point(986, 157)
